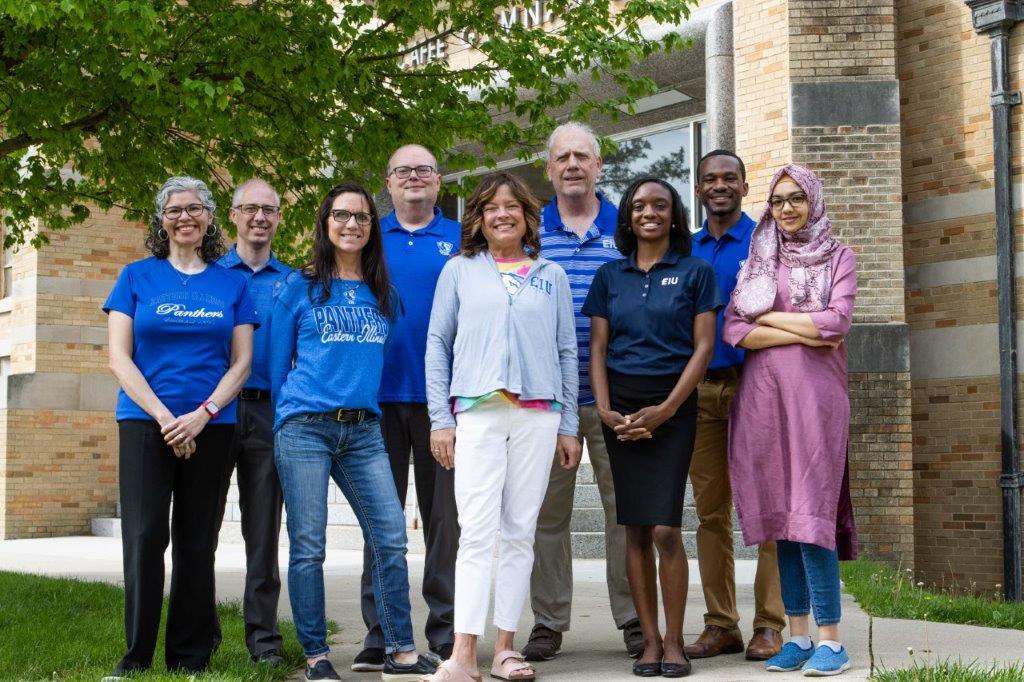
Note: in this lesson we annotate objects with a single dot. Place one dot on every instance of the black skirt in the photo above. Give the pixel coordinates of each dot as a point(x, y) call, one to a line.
point(650, 474)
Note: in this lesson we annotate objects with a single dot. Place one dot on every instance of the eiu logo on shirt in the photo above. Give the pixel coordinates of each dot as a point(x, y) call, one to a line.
point(445, 248)
point(608, 242)
point(666, 281)
point(361, 324)
point(179, 310)
point(541, 284)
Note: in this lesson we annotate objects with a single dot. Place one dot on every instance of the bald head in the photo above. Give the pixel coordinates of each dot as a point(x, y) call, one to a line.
point(240, 191)
point(416, 193)
point(255, 229)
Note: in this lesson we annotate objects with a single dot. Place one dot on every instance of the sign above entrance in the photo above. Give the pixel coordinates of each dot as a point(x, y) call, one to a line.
point(435, 47)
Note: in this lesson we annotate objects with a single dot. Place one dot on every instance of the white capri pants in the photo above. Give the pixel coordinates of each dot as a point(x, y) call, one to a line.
point(502, 464)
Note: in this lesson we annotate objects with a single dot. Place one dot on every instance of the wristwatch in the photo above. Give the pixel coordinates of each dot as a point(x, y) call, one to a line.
point(211, 409)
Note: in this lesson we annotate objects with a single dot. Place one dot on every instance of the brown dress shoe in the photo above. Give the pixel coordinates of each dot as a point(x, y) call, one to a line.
point(715, 640)
point(765, 643)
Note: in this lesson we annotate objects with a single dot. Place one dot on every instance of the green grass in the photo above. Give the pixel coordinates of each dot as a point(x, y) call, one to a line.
point(953, 671)
point(62, 629)
point(888, 593)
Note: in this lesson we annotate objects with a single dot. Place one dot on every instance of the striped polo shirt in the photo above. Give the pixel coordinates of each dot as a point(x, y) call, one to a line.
point(580, 258)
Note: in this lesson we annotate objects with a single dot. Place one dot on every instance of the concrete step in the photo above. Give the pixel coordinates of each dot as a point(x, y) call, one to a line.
point(338, 536)
point(591, 546)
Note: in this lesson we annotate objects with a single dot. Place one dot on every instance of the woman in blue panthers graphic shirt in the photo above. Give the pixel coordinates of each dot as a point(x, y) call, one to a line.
point(327, 335)
point(180, 346)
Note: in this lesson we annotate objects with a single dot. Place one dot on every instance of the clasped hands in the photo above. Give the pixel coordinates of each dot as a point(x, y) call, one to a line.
point(636, 426)
point(180, 432)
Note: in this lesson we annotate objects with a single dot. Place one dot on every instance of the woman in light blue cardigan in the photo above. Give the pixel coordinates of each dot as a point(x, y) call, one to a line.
point(501, 388)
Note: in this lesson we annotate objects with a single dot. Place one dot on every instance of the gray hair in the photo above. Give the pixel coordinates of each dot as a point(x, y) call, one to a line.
point(240, 190)
point(184, 183)
point(575, 126)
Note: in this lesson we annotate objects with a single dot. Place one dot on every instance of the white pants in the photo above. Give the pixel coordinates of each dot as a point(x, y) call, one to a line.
point(502, 463)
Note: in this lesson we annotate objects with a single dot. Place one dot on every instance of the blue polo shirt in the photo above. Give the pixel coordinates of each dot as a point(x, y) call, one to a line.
point(650, 314)
point(726, 256)
point(580, 258)
point(414, 259)
point(263, 287)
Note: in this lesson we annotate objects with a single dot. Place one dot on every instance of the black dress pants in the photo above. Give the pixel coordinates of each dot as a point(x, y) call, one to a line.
point(405, 427)
point(150, 477)
point(260, 499)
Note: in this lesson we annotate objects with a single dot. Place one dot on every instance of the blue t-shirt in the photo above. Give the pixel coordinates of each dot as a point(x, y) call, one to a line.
point(325, 356)
point(263, 286)
point(650, 314)
point(580, 258)
point(181, 331)
point(414, 262)
point(726, 256)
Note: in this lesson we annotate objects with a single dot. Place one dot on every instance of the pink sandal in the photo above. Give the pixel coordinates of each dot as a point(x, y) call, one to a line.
point(510, 665)
point(450, 671)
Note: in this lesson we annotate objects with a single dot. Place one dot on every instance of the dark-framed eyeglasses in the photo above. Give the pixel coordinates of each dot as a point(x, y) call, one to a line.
point(403, 172)
point(253, 209)
point(342, 216)
point(174, 212)
point(794, 200)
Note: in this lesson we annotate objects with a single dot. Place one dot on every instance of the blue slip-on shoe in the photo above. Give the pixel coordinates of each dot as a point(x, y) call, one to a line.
point(790, 658)
point(825, 662)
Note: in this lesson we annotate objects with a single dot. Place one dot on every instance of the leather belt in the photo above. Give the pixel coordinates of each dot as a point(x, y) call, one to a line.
point(723, 373)
point(348, 416)
point(253, 394)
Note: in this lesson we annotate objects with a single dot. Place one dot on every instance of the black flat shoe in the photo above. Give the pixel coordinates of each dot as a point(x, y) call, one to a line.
point(647, 669)
point(675, 669)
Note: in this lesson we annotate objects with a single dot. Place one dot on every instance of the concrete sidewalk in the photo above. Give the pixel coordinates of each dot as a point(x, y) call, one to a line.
point(592, 651)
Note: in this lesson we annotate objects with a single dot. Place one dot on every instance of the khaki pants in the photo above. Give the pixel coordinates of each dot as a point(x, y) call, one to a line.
point(709, 474)
point(551, 581)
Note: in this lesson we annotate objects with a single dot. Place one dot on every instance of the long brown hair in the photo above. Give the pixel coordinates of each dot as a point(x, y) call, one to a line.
point(320, 269)
point(473, 241)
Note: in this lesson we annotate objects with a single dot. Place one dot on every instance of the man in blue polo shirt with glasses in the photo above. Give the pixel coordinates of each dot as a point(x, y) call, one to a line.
point(577, 232)
point(418, 241)
point(724, 241)
point(256, 213)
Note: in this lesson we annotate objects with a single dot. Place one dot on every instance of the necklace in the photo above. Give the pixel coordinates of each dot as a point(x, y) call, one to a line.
point(188, 277)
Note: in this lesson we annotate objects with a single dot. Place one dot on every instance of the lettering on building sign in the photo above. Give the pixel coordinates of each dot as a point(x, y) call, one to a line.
point(435, 49)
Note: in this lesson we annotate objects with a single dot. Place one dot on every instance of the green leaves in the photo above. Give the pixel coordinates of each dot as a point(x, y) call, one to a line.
point(101, 101)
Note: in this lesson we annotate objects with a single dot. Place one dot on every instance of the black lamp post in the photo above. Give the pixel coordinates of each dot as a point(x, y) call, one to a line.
point(997, 18)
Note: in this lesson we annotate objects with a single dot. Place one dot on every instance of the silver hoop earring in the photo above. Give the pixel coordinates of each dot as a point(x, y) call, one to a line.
point(211, 230)
point(162, 235)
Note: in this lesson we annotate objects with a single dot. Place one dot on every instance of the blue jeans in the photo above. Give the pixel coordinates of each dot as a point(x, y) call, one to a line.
point(309, 449)
point(810, 577)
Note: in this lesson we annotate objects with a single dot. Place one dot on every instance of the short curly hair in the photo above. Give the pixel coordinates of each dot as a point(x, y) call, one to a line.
point(473, 241)
point(212, 247)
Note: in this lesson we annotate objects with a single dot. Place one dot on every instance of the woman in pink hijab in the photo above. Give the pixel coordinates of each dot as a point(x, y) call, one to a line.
point(788, 433)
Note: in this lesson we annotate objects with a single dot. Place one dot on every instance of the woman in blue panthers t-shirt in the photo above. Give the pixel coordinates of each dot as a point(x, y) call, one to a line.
point(327, 334)
point(180, 334)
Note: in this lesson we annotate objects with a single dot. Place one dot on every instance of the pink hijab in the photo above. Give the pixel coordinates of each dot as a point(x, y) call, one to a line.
point(808, 253)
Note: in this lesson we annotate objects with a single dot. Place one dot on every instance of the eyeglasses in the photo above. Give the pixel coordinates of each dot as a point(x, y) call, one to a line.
point(342, 216)
point(794, 200)
point(403, 172)
point(174, 212)
point(253, 209)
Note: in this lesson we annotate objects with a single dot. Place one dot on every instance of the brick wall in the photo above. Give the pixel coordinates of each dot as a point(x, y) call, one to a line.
point(846, 40)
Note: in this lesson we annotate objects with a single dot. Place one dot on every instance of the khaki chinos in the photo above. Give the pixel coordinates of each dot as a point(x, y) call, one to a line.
point(712, 491)
point(551, 581)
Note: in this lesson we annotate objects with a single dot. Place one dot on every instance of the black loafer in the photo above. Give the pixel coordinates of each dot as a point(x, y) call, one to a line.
point(675, 669)
point(323, 670)
point(270, 657)
point(647, 669)
point(394, 671)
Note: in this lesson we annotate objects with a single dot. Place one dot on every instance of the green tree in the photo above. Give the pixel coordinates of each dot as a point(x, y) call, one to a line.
point(102, 100)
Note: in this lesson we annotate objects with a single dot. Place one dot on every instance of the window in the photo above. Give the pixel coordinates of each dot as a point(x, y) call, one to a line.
point(7, 277)
point(669, 151)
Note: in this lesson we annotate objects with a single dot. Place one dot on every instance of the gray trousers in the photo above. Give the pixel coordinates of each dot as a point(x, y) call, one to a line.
point(406, 427)
point(551, 582)
point(259, 496)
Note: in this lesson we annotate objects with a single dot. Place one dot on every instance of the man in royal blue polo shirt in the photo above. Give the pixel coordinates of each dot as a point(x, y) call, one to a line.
point(724, 241)
point(256, 213)
point(418, 241)
point(577, 232)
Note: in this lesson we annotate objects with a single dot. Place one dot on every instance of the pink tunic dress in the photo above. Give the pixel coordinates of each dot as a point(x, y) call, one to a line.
point(789, 427)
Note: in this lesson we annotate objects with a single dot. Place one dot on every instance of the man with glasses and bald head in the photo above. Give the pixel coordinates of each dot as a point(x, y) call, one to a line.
point(256, 213)
point(418, 240)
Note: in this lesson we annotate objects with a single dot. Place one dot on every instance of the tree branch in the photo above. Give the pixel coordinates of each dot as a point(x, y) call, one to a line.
point(87, 124)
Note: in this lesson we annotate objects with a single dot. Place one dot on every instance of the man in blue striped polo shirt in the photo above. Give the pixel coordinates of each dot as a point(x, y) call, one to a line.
point(577, 232)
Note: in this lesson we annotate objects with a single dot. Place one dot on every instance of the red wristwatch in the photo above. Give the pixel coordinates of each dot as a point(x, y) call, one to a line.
point(211, 408)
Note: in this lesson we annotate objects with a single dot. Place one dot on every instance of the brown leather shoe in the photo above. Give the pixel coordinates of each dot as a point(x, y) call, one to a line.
point(715, 640)
point(765, 643)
